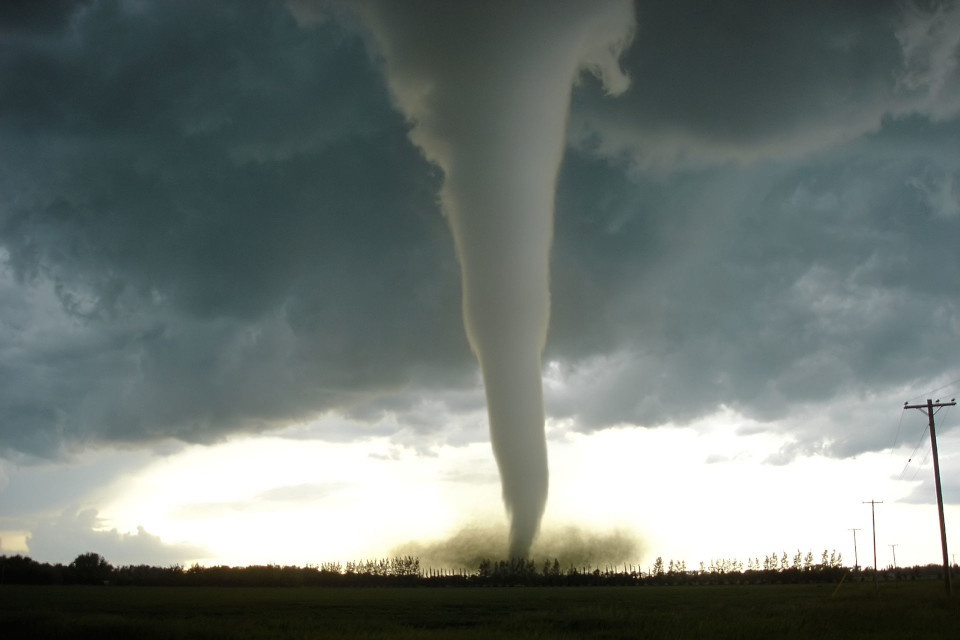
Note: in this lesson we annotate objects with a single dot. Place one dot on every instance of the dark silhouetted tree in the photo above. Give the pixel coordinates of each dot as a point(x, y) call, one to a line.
point(90, 568)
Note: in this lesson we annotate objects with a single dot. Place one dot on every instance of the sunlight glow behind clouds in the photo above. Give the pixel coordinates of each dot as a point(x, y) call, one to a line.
point(696, 493)
point(693, 494)
point(273, 499)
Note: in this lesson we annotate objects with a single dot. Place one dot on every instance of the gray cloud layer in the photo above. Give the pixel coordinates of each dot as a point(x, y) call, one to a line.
point(75, 532)
point(212, 219)
point(209, 228)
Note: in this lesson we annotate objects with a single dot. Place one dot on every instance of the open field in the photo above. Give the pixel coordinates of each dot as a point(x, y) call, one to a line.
point(919, 610)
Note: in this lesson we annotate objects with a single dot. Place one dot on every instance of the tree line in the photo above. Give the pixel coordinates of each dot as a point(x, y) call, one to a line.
point(93, 569)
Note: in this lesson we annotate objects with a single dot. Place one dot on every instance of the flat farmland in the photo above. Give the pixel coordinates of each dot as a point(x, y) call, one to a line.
point(917, 609)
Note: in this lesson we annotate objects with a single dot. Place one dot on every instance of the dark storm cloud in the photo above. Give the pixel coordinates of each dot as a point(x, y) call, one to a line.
point(714, 82)
point(764, 221)
point(212, 220)
point(764, 289)
point(788, 283)
point(32, 17)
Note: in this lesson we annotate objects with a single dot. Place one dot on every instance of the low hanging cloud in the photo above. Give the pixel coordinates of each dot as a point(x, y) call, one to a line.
point(75, 532)
point(226, 228)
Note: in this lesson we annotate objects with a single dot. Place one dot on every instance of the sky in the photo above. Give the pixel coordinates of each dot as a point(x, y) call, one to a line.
point(231, 299)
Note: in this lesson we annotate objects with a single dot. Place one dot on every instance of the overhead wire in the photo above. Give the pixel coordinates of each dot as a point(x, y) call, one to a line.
point(951, 383)
point(923, 438)
point(923, 463)
point(896, 438)
point(927, 394)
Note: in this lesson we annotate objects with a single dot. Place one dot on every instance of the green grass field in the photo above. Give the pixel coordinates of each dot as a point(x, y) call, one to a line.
point(902, 610)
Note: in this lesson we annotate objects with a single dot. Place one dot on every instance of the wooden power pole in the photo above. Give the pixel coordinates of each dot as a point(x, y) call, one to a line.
point(873, 516)
point(856, 561)
point(928, 409)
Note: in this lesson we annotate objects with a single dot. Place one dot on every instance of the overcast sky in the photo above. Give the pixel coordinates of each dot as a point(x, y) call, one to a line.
point(213, 224)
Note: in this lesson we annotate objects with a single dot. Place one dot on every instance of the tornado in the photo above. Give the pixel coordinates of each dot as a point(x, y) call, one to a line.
point(486, 87)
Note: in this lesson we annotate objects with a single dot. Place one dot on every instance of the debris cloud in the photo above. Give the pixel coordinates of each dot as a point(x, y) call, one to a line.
point(572, 546)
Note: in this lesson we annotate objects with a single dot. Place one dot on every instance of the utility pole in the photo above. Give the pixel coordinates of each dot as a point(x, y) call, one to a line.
point(856, 562)
point(929, 410)
point(873, 517)
point(894, 548)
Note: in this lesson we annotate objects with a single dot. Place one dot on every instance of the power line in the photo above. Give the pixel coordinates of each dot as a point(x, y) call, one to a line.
point(934, 391)
point(856, 562)
point(896, 438)
point(923, 463)
point(929, 409)
point(923, 438)
point(873, 517)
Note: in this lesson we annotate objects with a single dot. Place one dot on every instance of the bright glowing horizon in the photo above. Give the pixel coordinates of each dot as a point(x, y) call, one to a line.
point(688, 494)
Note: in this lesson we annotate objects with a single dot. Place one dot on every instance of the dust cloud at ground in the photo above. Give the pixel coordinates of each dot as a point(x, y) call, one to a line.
point(572, 546)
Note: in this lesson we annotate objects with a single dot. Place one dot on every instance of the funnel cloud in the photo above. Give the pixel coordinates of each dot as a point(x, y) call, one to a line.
point(486, 88)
